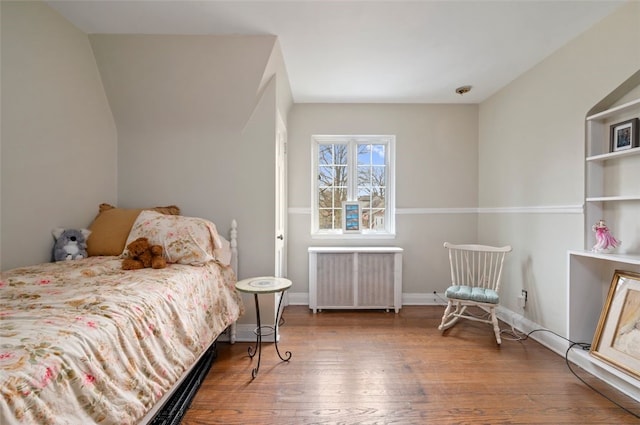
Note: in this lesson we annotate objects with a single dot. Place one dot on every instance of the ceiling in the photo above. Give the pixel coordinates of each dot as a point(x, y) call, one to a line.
point(370, 51)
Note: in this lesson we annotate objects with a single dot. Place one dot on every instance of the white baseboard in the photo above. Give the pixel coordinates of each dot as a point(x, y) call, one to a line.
point(424, 299)
point(620, 381)
point(302, 298)
point(296, 298)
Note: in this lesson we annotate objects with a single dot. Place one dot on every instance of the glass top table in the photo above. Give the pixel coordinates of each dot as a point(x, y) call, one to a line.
point(265, 285)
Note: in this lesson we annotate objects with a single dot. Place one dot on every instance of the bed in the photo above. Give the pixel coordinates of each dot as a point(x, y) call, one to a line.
point(85, 342)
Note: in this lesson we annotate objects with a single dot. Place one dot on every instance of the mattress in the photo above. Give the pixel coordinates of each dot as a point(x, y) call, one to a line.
point(86, 342)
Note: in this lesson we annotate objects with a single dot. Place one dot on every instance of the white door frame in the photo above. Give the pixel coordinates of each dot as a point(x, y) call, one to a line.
point(281, 199)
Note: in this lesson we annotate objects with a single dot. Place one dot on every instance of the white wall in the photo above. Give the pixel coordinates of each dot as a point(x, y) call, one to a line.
point(532, 145)
point(436, 170)
point(529, 164)
point(194, 131)
point(58, 135)
point(196, 119)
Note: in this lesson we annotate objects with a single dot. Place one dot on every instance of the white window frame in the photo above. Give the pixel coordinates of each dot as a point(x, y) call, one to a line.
point(389, 218)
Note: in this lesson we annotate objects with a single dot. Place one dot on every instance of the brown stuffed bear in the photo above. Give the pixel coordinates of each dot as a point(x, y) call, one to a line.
point(157, 257)
point(142, 255)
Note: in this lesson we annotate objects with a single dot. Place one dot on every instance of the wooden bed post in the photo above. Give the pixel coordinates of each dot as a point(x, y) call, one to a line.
point(233, 235)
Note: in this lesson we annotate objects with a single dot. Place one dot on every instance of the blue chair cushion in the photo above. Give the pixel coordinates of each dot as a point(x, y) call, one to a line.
point(469, 293)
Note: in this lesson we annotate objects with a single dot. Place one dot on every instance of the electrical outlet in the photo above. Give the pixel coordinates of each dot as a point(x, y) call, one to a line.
point(522, 299)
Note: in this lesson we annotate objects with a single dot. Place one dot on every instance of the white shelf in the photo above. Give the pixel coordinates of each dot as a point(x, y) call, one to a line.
point(612, 155)
point(613, 198)
point(614, 111)
point(619, 258)
point(612, 190)
point(590, 273)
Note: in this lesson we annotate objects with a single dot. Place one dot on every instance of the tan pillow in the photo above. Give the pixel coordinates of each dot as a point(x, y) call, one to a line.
point(111, 227)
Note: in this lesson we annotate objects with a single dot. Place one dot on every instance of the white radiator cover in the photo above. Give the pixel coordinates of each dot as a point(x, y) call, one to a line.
point(355, 278)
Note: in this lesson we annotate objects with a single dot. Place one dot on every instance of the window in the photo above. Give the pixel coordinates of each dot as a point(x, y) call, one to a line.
point(348, 169)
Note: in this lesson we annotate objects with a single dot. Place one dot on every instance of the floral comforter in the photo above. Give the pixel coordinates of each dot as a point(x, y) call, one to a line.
point(85, 342)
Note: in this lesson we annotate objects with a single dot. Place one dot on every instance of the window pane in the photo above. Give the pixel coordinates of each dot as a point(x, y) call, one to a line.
point(340, 154)
point(337, 224)
point(364, 176)
point(332, 197)
point(364, 193)
point(367, 183)
point(340, 196)
point(326, 176)
point(332, 176)
point(366, 214)
point(330, 218)
point(325, 198)
point(378, 176)
point(378, 154)
point(377, 198)
point(332, 154)
point(326, 218)
point(377, 219)
point(340, 177)
point(364, 154)
point(325, 154)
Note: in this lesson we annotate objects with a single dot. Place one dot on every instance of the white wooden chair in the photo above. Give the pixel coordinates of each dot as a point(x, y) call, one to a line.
point(475, 281)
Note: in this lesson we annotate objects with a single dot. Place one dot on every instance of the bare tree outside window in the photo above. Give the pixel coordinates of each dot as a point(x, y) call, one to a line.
point(372, 185)
point(352, 168)
point(332, 184)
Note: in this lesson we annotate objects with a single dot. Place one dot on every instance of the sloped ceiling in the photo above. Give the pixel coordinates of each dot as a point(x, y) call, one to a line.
point(370, 51)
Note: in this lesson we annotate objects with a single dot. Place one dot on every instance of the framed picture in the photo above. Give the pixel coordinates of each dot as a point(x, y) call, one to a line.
point(624, 135)
point(351, 217)
point(617, 336)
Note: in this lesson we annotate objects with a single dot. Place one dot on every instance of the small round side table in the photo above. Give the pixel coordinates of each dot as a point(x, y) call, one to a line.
point(265, 285)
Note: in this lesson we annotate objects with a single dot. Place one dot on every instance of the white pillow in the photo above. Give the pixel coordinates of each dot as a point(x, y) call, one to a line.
point(185, 240)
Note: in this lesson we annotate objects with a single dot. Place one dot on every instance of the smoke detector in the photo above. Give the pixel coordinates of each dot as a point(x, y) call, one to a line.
point(463, 89)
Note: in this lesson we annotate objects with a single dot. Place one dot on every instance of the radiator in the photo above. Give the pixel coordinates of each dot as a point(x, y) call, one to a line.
point(355, 278)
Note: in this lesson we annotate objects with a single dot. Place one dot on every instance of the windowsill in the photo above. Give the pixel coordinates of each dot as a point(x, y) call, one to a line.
point(353, 236)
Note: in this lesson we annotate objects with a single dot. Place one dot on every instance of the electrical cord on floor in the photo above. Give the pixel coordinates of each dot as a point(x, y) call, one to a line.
point(582, 345)
point(517, 336)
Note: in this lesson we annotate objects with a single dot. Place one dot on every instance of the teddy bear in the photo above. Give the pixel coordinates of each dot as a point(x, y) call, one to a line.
point(141, 254)
point(70, 244)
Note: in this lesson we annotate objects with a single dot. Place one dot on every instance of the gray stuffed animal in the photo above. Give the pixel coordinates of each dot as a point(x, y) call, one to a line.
point(71, 244)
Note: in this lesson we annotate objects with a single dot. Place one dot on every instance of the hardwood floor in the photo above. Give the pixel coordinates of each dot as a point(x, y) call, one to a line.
point(373, 367)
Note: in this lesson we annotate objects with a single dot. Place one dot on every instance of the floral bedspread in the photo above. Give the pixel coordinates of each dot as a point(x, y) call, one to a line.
point(85, 342)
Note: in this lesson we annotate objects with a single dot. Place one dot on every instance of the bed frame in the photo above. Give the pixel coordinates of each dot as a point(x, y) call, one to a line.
point(174, 404)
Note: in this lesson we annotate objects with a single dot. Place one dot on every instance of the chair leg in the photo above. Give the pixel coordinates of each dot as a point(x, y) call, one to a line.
point(496, 328)
point(449, 318)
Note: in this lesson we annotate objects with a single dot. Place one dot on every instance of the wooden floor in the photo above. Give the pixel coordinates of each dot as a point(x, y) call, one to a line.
point(372, 367)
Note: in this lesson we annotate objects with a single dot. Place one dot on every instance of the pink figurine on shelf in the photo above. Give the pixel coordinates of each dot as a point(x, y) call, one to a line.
point(604, 239)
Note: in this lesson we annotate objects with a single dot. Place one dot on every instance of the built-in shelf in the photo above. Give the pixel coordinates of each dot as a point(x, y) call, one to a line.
point(624, 382)
point(615, 110)
point(619, 258)
point(612, 188)
point(613, 177)
point(613, 198)
point(589, 278)
point(613, 155)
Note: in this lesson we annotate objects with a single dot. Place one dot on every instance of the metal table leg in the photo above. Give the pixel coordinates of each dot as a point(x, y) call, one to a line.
point(258, 332)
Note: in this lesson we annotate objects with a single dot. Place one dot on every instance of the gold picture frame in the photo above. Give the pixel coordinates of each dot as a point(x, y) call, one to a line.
point(618, 333)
